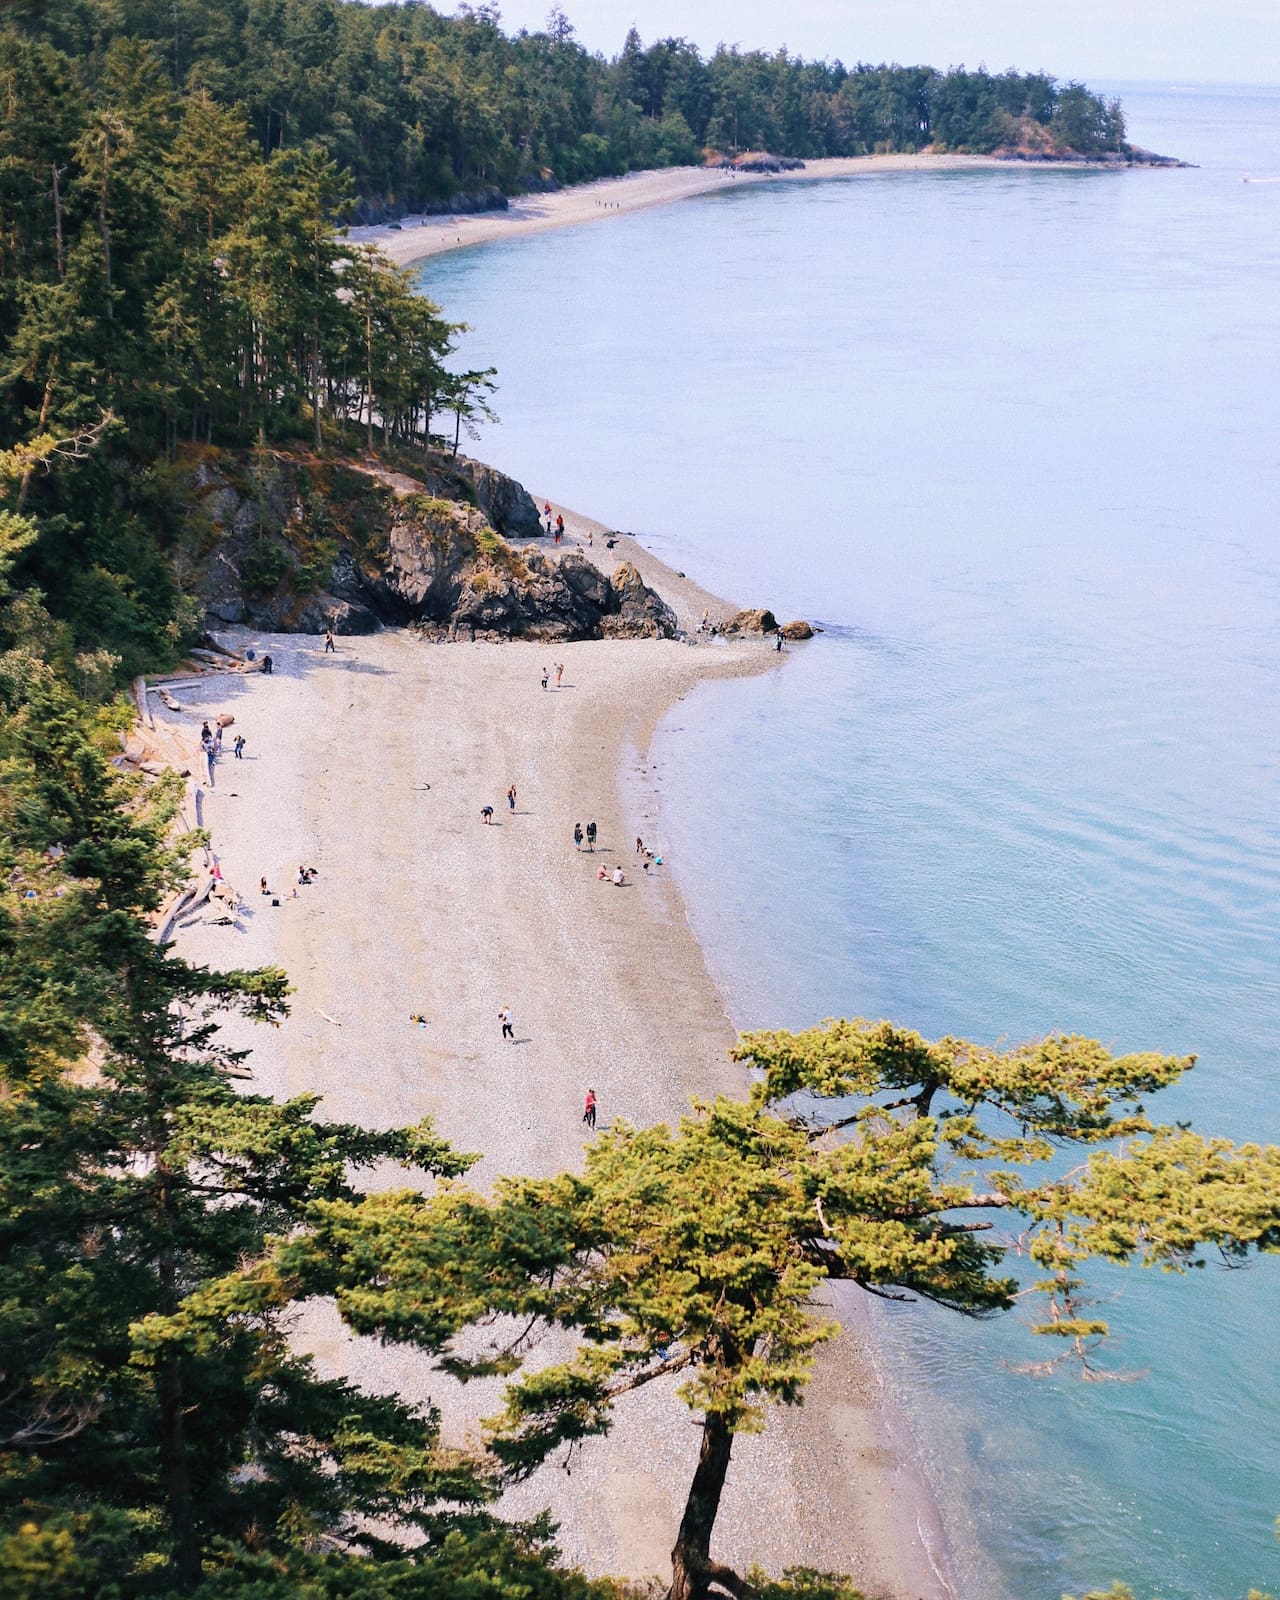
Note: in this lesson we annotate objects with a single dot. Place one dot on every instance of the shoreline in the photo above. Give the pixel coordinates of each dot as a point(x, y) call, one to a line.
point(606, 199)
point(395, 743)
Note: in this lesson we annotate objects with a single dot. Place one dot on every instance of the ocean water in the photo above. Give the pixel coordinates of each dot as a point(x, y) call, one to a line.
point(1011, 438)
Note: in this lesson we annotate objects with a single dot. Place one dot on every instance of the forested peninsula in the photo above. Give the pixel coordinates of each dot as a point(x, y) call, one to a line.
point(181, 317)
point(420, 109)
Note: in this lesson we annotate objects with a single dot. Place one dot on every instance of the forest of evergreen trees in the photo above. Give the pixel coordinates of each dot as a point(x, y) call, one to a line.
point(173, 278)
point(417, 106)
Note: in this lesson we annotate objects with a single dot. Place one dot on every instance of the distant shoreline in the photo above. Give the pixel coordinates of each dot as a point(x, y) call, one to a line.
point(418, 239)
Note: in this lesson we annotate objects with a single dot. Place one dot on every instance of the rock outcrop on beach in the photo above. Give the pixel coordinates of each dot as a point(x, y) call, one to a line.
point(507, 504)
point(752, 620)
point(641, 613)
point(796, 630)
point(294, 542)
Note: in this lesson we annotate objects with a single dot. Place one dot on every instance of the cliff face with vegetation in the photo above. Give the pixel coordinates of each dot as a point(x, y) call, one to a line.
point(292, 541)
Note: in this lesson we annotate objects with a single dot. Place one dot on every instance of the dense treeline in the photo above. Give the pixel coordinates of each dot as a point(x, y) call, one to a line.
point(417, 106)
point(162, 281)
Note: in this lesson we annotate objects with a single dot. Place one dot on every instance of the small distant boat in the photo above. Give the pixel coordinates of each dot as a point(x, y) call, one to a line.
point(1260, 180)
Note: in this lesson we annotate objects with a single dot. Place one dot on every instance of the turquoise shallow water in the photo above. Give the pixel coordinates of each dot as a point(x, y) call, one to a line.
point(1011, 437)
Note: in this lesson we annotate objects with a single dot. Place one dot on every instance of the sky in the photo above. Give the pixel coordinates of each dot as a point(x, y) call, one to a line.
point(1163, 41)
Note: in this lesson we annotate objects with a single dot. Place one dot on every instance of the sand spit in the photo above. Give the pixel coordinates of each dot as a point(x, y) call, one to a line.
point(372, 765)
point(609, 198)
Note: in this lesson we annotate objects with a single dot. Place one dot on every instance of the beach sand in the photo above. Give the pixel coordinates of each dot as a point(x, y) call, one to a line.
point(372, 765)
point(609, 198)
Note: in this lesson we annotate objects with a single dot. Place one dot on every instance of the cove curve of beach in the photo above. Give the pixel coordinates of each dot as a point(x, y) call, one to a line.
point(372, 765)
point(416, 239)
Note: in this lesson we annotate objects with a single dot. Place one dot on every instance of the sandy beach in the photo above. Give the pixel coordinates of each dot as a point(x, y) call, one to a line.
point(609, 198)
point(372, 765)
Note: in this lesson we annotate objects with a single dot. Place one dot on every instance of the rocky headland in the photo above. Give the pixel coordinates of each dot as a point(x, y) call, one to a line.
point(289, 541)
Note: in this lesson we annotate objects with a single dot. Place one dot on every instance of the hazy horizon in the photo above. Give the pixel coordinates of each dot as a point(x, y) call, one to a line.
point(1219, 43)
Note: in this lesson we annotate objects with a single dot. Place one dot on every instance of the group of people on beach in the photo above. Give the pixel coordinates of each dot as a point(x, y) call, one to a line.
point(211, 745)
point(546, 674)
point(306, 877)
point(555, 529)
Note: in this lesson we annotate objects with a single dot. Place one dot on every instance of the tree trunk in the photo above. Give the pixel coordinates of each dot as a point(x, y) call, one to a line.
point(57, 219)
point(177, 1477)
point(25, 484)
point(368, 378)
point(104, 227)
point(692, 1569)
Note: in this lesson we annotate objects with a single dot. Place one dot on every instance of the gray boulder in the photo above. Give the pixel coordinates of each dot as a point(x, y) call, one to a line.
point(641, 613)
point(508, 505)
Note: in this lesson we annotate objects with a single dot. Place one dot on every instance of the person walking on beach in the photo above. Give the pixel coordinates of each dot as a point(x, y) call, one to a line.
point(559, 672)
point(589, 1110)
point(545, 676)
point(591, 835)
point(559, 529)
point(329, 647)
point(508, 1027)
point(511, 798)
point(577, 836)
point(639, 845)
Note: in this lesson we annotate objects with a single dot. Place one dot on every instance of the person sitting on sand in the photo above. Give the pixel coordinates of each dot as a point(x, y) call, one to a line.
point(416, 1017)
point(619, 878)
point(262, 886)
point(602, 873)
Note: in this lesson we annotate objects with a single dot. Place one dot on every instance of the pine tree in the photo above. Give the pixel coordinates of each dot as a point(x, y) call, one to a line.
point(865, 1154)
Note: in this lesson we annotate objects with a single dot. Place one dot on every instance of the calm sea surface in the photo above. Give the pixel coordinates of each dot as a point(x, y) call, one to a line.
point(1011, 437)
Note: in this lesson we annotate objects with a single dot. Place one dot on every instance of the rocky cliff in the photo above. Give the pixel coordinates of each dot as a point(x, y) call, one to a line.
point(292, 541)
